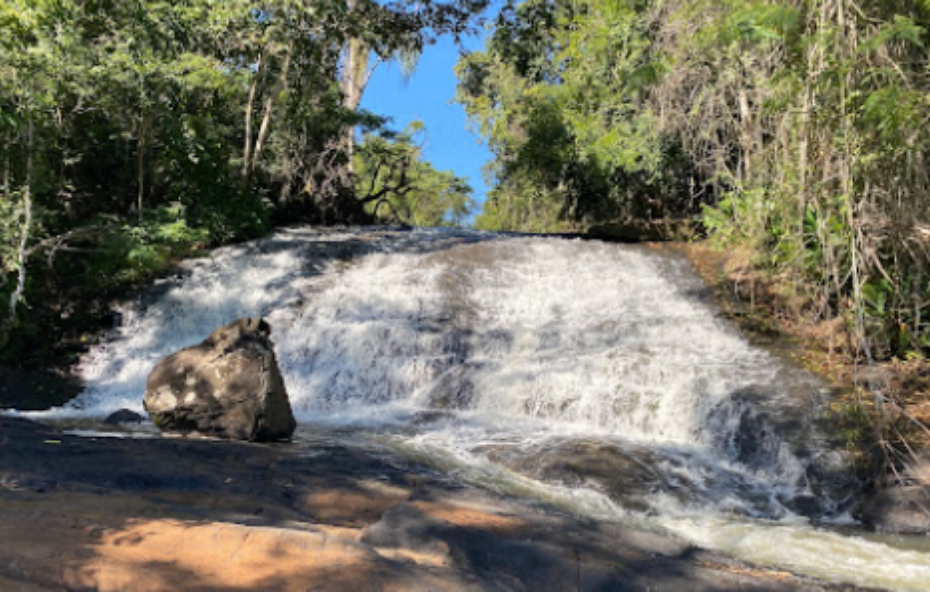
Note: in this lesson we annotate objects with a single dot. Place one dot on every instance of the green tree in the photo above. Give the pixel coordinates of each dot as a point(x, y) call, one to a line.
point(397, 185)
point(795, 125)
point(560, 94)
point(134, 131)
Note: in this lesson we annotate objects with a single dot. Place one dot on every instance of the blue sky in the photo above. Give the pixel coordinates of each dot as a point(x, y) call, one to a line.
point(427, 95)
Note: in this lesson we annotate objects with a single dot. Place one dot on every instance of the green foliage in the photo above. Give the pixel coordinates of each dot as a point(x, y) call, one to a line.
point(399, 186)
point(829, 178)
point(559, 95)
point(141, 130)
point(854, 422)
point(163, 236)
point(901, 28)
point(793, 128)
point(758, 23)
point(9, 232)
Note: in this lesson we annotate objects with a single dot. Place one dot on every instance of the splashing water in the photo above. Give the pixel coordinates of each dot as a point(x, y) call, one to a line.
point(552, 367)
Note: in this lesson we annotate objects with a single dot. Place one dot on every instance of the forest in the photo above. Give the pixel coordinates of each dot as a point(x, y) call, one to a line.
point(794, 129)
point(136, 133)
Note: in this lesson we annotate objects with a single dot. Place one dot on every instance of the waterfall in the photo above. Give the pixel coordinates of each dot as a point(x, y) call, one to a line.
point(597, 375)
point(508, 336)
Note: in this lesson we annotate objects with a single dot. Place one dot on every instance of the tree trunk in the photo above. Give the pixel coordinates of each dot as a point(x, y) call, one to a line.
point(6, 325)
point(804, 154)
point(140, 165)
point(746, 134)
point(7, 172)
point(266, 116)
point(355, 77)
point(249, 113)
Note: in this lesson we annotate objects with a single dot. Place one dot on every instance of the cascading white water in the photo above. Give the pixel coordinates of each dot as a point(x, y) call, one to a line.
point(580, 364)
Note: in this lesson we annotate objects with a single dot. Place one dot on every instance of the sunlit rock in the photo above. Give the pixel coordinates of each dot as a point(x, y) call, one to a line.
point(229, 386)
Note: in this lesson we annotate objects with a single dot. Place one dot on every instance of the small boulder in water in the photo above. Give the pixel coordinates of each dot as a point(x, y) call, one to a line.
point(229, 386)
point(123, 416)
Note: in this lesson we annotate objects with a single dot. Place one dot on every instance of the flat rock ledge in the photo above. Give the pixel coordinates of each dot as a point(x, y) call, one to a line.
point(153, 515)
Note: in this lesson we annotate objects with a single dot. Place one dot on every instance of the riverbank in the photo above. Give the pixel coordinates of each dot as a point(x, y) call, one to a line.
point(880, 408)
point(153, 514)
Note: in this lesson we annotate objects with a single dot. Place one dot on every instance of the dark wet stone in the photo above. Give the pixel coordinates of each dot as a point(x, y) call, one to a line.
point(902, 505)
point(757, 443)
point(453, 390)
point(123, 416)
point(899, 510)
point(834, 484)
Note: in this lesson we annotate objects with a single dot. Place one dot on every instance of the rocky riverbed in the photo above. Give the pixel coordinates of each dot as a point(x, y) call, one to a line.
point(152, 514)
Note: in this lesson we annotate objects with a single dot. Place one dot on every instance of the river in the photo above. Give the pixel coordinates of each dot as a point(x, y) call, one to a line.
point(594, 376)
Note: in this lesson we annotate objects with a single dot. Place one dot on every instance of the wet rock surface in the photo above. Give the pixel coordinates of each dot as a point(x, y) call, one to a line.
point(902, 506)
point(635, 476)
point(168, 514)
point(899, 510)
point(123, 416)
point(229, 386)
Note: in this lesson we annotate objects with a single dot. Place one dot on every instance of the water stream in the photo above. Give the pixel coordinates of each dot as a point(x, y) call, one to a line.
point(594, 376)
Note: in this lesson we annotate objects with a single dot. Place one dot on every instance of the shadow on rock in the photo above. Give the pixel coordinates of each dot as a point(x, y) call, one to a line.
point(177, 514)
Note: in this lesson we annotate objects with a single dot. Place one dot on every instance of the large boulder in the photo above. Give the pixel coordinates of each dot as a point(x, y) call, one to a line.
point(229, 386)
